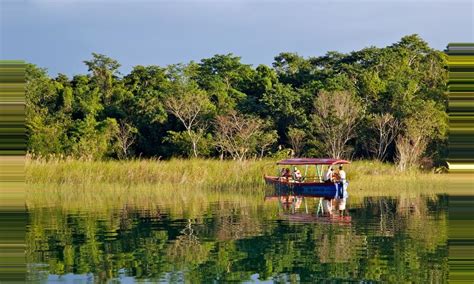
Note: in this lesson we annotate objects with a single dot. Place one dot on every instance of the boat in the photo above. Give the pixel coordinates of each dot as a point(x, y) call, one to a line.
point(311, 183)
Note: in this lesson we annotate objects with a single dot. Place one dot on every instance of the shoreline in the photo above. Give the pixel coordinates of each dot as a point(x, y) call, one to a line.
point(103, 185)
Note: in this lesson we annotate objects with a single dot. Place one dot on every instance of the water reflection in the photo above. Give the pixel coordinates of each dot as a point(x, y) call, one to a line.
point(385, 239)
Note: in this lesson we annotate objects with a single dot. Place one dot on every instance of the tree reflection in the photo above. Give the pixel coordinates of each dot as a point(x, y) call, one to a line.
point(388, 240)
point(186, 251)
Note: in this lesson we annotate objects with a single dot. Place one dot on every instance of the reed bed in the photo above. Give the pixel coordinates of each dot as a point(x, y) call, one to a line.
point(195, 183)
point(196, 172)
point(212, 174)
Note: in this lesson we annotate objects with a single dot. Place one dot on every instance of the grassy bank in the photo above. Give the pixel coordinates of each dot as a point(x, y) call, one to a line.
point(195, 183)
point(195, 172)
point(210, 174)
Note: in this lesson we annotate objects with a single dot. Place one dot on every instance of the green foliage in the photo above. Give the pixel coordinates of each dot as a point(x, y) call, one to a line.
point(182, 145)
point(92, 139)
point(103, 70)
point(224, 77)
point(400, 80)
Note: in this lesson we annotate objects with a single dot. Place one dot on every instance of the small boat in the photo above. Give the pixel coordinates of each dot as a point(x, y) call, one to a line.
point(311, 183)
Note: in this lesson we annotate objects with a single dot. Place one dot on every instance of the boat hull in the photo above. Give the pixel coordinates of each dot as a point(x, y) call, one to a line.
point(309, 189)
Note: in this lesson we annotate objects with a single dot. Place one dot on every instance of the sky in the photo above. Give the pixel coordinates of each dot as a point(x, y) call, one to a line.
point(60, 34)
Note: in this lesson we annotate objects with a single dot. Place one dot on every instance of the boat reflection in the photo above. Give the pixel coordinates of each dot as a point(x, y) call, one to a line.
point(302, 208)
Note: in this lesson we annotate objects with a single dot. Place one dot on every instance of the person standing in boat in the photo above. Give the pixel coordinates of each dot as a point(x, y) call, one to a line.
point(342, 194)
point(342, 177)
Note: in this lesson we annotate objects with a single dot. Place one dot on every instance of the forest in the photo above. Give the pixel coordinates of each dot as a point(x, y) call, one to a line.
point(386, 103)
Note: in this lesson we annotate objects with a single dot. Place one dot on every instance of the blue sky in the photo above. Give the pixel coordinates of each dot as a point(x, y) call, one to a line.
point(59, 35)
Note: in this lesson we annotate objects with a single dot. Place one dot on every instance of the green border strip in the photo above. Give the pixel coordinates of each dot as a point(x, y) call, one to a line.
point(13, 215)
point(461, 107)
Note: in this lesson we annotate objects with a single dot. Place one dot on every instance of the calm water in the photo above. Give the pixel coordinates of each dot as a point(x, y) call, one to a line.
point(383, 239)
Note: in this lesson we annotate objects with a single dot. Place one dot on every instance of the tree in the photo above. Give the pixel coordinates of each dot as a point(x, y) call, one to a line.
point(189, 104)
point(145, 107)
point(170, 105)
point(103, 70)
point(386, 129)
point(46, 123)
point(125, 137)
point(92, 139)
point(224, 77)
point(296, 138)
point(265, 140)
point(285, 106)
point(293, 69)
point(418, 130)
point(148, 85)
point(239, 135)
point(336, 117)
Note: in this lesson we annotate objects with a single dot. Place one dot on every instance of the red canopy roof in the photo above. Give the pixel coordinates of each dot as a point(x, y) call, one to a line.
point(311, 161)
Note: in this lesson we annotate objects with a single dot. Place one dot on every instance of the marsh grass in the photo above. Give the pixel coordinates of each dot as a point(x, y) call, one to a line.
point(211, 174)
point(194, 184)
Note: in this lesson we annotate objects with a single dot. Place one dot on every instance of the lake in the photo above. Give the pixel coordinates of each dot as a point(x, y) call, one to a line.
point(247, 239)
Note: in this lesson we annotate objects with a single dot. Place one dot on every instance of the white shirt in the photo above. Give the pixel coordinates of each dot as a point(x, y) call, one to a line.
point(298, 174)
point(342, 174)
point(328, 175)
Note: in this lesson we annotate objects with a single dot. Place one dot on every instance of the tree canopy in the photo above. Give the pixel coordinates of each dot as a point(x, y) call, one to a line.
point(178, 110)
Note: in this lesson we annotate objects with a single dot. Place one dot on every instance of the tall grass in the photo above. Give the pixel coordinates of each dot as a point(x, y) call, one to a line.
point(196, 182)
point(211, 174)
point(195, 172)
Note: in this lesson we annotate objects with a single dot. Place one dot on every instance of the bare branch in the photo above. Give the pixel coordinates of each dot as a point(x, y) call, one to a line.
point(125, 136)
point(336, 117)
point(386, 129)
point(239, 135)
point(296, 138)
point(188, 104)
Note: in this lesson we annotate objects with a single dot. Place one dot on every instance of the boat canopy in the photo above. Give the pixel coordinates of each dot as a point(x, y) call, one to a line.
point(312, 161)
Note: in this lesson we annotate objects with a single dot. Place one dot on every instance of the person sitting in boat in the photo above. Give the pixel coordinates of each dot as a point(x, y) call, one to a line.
point(298, 176)
point(285, 173)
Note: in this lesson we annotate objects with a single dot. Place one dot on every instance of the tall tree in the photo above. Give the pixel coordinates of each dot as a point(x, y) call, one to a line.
point(225, 78)
point(336, 117)
point(297, 139)
point(46, 125)
point(103, 70)
point(239, 135)
point(125, 136)
point(418, 130)
point(385, 128)
point(189, 104)
point(146, 109)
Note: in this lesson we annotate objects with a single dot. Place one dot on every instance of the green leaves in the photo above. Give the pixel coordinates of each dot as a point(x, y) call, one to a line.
point(166, 104)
